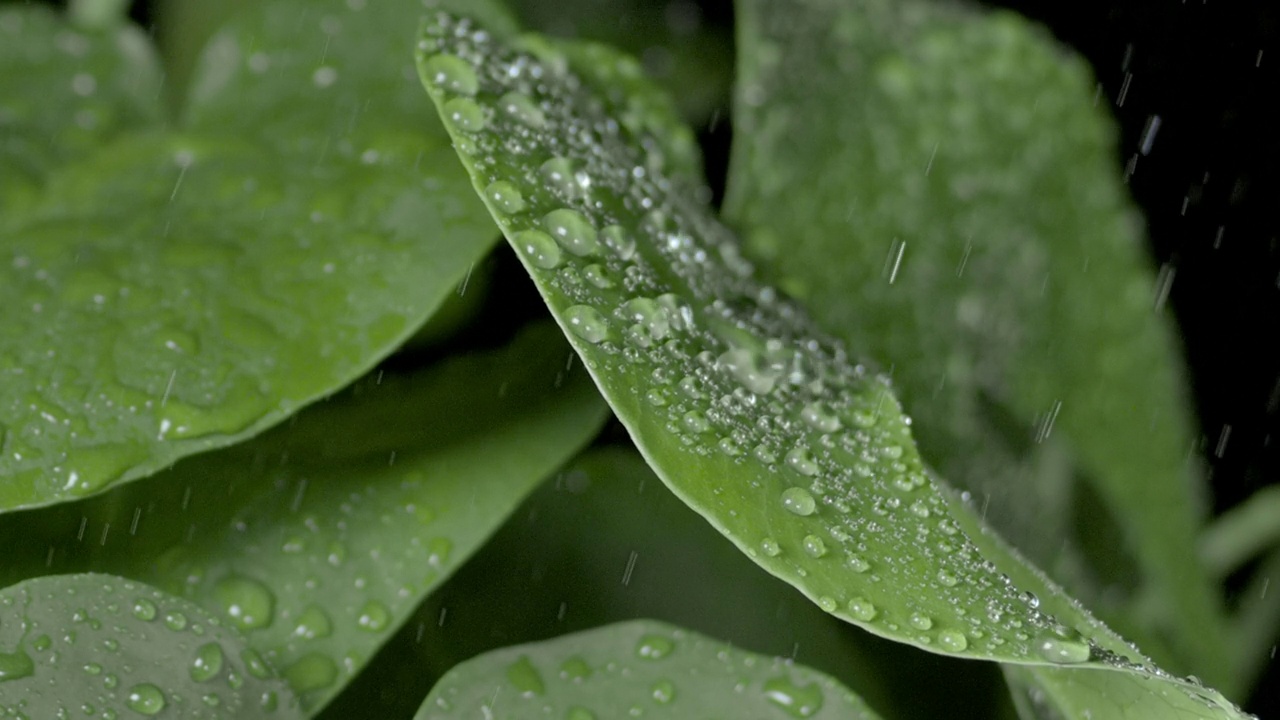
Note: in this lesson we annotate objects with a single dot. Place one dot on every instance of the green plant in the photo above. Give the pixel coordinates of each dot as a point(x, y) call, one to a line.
point(250, 431)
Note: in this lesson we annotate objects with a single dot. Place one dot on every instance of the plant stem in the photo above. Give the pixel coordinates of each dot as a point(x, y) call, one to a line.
point(1252, 527)
point(95, 14)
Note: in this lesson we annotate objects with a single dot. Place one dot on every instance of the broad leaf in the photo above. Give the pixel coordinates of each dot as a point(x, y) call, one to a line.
point(169, 294)
point(637, 668)
point(64, 91)
point(319, 538)
point(934, 183)
point(740, 405)
point(103, 646)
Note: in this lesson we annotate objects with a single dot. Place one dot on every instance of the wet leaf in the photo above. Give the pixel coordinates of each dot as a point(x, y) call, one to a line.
point(319, 538)
point(173, 293)
point(937, 186)
point(633, 668)
point(742, 407)
point(64, 91)
point(103, 646)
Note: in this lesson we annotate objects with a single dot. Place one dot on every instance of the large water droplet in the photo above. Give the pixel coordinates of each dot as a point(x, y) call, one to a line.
point(749, 369)
point(862, 609)
point(248, 603)
point(144, 609)
point(621, 242)
point(465, 115)
point(801, 461)
point(820, 417)
point(538, 246)
point(799, 501)
point(920, 621)
point(505, 196)
point(579, 713)
point(1064, 647)
point(587, 323)
point(374, 617)
point(770, 547)
point(522, 108)
point(146, 699)
point(15, 665)
point(313, 622)
point(953, 640)
point(654, 647)
point(664, 691)
point(572, 230)
point(798, 701)
point(451, 73)
point(525, 677)
point(575, 669)
point(207, 663)
point(814, 547)
point(312, 671)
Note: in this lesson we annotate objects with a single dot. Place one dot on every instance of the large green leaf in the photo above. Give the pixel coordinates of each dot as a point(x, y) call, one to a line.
point(103, 646)
point(740, 405)
point(64, 91)
point(637, 668)
point(936, 185)
point(173, 293)
point(319, 538)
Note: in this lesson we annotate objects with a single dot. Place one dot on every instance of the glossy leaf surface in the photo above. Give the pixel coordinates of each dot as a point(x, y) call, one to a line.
point(318, 539)
point(637, 668)
point(102, 646)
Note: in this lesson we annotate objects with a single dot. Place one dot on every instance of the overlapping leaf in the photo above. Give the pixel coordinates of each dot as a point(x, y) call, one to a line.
point(637, 668)
point(741, 406)
point(319, 538)
point(171, 293)
point(102, 646)
point(935, 185)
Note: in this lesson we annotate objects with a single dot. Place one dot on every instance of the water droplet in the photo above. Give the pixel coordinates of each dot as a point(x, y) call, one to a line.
point(920, 621)
point(558, 173)
point(862, 609)
point(248, 603)
point(313, 622)
point(664, 691)
point(451, 73)
point(525, 677)
point(621, 242)
point(575, 669)
point(587, 323)
point(175, 621)
point(572, 230)
point(15, 665)
point(465, 114)
point(799, 501)
point(523, 109)
point(312, 671)
point(599, 276)
point(579, 713)
point(920, 509)
point(953, 640)
point(650, 315)
point(947, 579)
point(813, 546)
point(797, 701)
point(801, 461)
point(858, 564)
point(146, 699)
point(770, 547)
point(749, 369)
point(207, 663)
point(144, 609)
point(828, 603)
point(538, 246)
point(1064, 646)
point(374, 617)
point(820, 417)
point(694, 422)
point(505, 196)
point(654, 647)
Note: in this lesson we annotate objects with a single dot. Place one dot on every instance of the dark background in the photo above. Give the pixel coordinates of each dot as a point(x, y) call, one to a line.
point(1209, 186)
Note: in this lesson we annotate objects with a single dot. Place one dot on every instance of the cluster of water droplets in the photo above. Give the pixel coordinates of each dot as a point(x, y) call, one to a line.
point(668, 314)
point(651, 672)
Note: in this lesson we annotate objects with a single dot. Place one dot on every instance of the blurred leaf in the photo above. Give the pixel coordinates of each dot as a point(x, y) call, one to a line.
point(174, 293)
point(946, 164)
point(740, 406)
point(104, 646)
point(638, 667)
point(319, 538)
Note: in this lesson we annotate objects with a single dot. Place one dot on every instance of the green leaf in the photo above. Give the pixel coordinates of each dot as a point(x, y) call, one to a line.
point(175, 293)
point(63, 92)
point(740, 405)
point(319, 538)
point(639, 667)
point(103, 646)
point(934, 183)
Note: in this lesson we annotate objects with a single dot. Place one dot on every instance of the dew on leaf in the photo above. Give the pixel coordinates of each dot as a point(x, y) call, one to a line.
point(505, 196)
point(524, 677)
point(465, 114)
point(146, 699)
point(587, 323)
point(539, 248)
point(573, 231)
point(451, 73)
point(248, 603)
point(798, 701)
point(207, 662)
point(798, 501)
point(654, 647)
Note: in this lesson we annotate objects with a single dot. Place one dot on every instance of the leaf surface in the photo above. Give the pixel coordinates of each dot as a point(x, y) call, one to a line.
point(935, 185)
point(101, 645)
point(173, 293)
point(319, 538)
point(743, 408)
point(633, 668)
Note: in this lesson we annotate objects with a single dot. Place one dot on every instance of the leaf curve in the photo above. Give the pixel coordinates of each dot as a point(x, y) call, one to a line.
point(96, 643)
point(319, 538)
point(743, 408)
point(638, 667)
point(173, 293)
point(970, 194)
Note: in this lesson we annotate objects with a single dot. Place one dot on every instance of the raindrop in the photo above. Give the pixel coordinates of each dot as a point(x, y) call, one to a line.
point(770, 547)
point(539, 248)
point(15, 665)
point(953, 640)
point(207, 663)
point(505, 196)
point(575, 669)
point(451, 73)
point(525, 677)
point(920, 621)
point(799, 501)
point(523, 109)
point(621, 242)
point(374, 617)
point(820, 417)
point(465, 114)
point(797, 701)
point(1063, 647)
point(813, 546)
point(572, 230)
point(587, 323)
point(312, 671)
point(313, 623)
point(144, 609)
point(654, 647)
point(146, 699)
point(802, 462)
point(248, 603)
point(664, 691)
point(862, 609)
